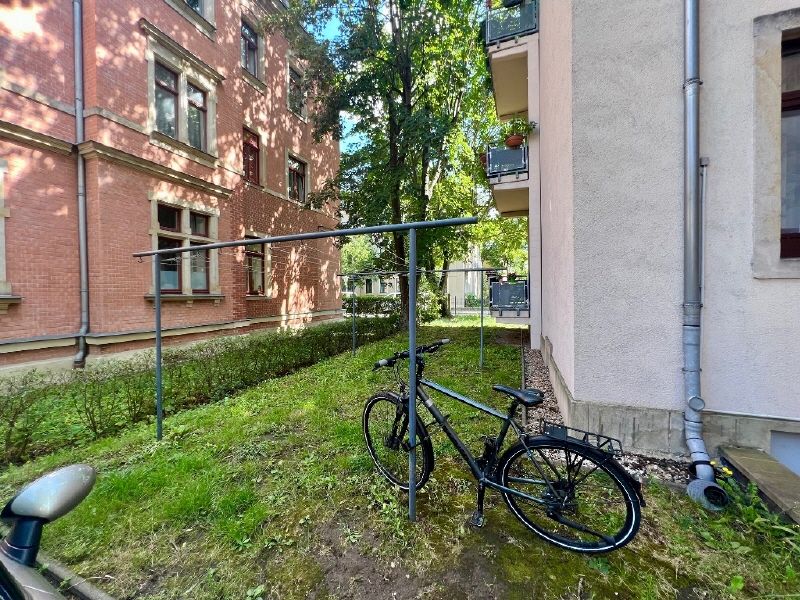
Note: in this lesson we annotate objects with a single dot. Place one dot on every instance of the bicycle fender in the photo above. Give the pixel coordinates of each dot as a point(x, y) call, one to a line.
point(597, 454)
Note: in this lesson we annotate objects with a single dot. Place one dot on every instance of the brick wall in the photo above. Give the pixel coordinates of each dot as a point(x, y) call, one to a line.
point(40, 186)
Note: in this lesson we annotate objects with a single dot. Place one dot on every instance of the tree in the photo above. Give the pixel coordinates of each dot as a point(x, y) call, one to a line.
point(410, 74)
point(503, 243)
point(358, 255)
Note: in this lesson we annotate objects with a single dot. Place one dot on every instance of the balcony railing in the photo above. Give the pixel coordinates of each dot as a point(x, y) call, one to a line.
point(507, 23)
point(509, 296)
point(506, 161)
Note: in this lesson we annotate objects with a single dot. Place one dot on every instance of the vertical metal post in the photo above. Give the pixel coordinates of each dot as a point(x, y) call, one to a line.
point(157, 307)
point(353, 305)
point(481, 359)
point(412, 374)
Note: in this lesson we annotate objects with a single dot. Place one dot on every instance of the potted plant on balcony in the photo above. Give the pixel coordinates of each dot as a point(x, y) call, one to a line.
point(516, 130)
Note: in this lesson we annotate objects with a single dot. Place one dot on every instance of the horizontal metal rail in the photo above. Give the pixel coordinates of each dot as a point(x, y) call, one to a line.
point(313, 235)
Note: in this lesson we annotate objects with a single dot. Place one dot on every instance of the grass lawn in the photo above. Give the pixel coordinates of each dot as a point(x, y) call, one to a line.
point(271, 494)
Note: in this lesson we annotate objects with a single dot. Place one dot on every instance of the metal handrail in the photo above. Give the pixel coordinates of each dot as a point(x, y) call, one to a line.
point(508, 23)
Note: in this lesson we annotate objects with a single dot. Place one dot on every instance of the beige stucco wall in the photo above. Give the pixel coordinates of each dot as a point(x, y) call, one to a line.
point(751, 325)
point(628, 182)
point(555, 144)
point(611, 139)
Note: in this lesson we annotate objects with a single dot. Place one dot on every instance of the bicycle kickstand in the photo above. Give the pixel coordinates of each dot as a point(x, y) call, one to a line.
point(477, 519)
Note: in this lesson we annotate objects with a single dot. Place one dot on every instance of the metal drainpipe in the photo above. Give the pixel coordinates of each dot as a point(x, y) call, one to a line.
point(704, 488)
point(77, 28)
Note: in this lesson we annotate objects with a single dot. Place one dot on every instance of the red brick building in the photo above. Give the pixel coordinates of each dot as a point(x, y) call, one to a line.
point(195, 130)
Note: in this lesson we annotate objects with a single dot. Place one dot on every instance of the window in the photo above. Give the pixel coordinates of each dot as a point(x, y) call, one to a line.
point(170, 266)
point(196, 118)
point(166, 101)
point(199, 270)
point(196, 6)
point(790, 150)
point(384, 286)
point(368, 283)
point(198, 224)
point(189, 273)
point(255, 265)
point(249, 47)
point(297, 180)
point(169, 218)
point(297, 95)
point(250, 157)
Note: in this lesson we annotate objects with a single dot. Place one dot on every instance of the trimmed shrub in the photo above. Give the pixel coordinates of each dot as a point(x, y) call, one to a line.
point(42, 412)
point(372, 305)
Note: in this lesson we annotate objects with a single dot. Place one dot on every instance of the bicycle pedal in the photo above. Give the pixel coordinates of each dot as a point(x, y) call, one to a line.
point(477, 519)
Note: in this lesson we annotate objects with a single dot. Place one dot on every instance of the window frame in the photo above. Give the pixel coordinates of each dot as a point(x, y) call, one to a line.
point(297, 83)
point(165, 51)
point(185, 236)
point(178, 243)
point(174, 92)
point(246, 46)
point(790, 102)
point(256, 147)
point(289, 172)
point(202, 109)
point(249, 255)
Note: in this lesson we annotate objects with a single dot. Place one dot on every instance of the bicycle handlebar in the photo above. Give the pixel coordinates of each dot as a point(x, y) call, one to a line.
point(425, 349)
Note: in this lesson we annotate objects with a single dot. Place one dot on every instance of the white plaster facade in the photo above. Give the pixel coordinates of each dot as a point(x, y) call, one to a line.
point(606, 218)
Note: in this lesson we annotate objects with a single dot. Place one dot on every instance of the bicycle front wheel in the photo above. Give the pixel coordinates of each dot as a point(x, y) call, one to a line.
point(385, 423)
point(575, 497)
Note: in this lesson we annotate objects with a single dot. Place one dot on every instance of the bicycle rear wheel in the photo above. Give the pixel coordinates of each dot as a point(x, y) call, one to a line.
point(385, 423)
point(577, 498)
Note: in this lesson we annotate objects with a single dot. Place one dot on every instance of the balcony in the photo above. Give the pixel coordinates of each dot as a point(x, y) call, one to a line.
point(514, 21)
point(508, 301)
point(507, 170)
point(512, 50)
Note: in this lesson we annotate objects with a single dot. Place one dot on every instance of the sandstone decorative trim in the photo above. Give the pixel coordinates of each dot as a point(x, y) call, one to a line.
point(40, 141)
point(99, 111)
point(182, 149)
point(201, 23)
point(164, 40)
point(92, 149)
point(36, 96)
point(6, 301)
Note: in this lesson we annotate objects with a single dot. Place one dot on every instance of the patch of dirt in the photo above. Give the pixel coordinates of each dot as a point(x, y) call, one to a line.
point(508, 336)
point(350, 574)
point(640, 466)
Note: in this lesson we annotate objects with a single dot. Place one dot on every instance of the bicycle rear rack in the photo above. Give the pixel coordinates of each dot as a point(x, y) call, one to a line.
point(607, 444)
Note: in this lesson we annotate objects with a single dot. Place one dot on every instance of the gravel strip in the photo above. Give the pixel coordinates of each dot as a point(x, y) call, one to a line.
point(642, 467)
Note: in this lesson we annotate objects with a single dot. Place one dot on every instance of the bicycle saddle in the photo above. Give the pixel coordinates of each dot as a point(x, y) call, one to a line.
point(526, 397)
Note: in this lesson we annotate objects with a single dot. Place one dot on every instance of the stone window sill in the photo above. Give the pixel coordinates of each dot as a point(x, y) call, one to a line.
point(6, 301)
point(258, 297)
point(204, 26)
point(253, 80)
point(188, 298)
point(182, 149)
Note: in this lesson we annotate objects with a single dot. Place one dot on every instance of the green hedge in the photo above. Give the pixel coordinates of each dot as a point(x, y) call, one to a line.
point(428, 304)
point(372, 305)
point(42, 412)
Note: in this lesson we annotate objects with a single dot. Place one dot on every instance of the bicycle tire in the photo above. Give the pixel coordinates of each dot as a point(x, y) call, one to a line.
point(562, 503)
point(392, 462)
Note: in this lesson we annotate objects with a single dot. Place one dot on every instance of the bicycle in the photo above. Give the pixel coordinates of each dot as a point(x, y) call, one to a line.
point(565, 485)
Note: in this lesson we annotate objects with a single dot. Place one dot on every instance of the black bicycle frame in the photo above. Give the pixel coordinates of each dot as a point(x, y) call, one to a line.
point(508, 423)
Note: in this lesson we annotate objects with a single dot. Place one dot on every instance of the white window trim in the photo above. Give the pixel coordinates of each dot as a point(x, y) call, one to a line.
point(293, 63)
point(205, 23)
point(187, 72)
point(186, 237)
point(269, 292)
point(767, 42)
point(303, 159)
